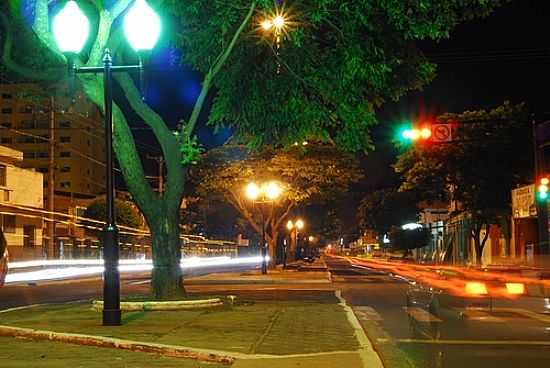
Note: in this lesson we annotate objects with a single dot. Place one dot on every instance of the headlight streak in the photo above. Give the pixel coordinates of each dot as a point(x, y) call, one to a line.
point(90, 267)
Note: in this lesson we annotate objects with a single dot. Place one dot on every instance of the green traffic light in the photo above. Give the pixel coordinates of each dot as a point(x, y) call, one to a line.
point(543, 195)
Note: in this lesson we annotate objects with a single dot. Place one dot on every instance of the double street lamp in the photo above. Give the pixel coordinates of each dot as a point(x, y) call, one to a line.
point(263, 194)
point(142, 28)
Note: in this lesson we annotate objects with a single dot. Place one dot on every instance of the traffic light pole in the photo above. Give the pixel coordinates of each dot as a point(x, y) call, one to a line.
point(541, 203)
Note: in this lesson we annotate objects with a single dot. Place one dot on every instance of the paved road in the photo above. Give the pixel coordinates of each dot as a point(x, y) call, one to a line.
point(379, 301)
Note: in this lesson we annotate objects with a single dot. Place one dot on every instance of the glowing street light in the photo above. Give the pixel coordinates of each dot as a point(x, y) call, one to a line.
point(70, 28)
point(252, 191)
point(142, 26)
point(279, 22)
point(264, 193)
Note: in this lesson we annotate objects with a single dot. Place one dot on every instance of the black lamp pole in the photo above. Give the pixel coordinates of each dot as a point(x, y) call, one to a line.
point(111, 276)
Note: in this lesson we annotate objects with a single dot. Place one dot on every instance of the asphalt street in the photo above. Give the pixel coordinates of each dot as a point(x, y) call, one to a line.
point(379, 301)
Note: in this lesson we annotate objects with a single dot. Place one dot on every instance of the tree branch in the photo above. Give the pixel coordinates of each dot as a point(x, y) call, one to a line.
point(125, 148)
point(187, 130)
point(8, 62)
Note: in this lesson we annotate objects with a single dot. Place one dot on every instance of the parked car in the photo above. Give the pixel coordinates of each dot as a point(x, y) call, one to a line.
point(3, 258)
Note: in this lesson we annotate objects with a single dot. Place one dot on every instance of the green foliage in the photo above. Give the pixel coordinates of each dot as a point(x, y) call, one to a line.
point(191, 151)
point(385, 208)
point(126, 213)
point(337, 62)
point(409, 239)
point(316, 174)
point(481, 168)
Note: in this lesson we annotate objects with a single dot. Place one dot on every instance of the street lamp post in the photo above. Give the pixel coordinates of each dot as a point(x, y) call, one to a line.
point(294, 227)
point(266, 193)
point(142, 29)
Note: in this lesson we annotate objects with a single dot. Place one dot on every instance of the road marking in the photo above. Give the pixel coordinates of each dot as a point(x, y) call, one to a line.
point(474, 342)
point(525, 312)
point(369, 356)
point(477, 315)
point(421, 315)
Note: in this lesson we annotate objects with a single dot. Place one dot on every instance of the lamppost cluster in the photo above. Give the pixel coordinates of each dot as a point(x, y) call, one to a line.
point(265, 193)
point(142, 27)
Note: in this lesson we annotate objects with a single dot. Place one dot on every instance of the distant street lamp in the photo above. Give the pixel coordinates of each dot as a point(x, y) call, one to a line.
point(265, 193)
point(142, 28)
point(294, 228)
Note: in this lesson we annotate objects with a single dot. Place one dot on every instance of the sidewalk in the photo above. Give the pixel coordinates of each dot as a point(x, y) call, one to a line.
point(266, 334)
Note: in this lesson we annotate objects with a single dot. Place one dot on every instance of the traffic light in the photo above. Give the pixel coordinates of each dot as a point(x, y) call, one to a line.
point(415, 134)
point(542, 188)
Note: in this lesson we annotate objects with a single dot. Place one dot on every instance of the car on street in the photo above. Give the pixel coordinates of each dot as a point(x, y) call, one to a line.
point(461, 301)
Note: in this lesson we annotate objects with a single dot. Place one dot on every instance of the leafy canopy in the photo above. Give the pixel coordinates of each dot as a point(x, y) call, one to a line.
point(337, 61)
point(481, 167)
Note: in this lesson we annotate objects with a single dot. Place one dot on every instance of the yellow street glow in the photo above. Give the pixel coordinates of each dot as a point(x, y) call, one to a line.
point(299, 224)
point(252, 191)
point(266, 24)
point(515, 288)
point(279, 22)
point(289, 225)
point(476, 288)
point(272, 190)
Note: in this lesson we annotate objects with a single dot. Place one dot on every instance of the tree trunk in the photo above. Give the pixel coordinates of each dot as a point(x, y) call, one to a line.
point(478, 246)
point(292, 247)
point(272, 244)
point(166, 277)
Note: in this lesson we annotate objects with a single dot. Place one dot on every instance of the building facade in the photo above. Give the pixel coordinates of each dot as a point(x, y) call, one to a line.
point(55, 133)
point(21, 202)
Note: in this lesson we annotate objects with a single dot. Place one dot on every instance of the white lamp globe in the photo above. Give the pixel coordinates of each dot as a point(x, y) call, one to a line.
point(71, 28)
point(142, 26)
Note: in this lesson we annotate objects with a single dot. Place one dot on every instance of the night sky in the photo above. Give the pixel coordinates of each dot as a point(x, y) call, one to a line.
point(485, 62)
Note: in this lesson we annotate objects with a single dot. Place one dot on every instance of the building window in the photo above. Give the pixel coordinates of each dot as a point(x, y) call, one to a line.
point(65, 124)
point(6, 96)
point(42, 124)
point(6, 110)
point(65, 139)
point(26, 124)
point(25, 139)
point(28, 154)
point(65, 184)
point(42, 154)
point(43, 170)
point(9, 224)
point(26, 110)
point(6, 125)
point(6, 195)
point(66, 169)
point(89, 143)
point(65, 154)
point(7, 140)
point(3, 175)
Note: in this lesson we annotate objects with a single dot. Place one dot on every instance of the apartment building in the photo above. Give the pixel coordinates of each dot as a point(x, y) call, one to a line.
point(21, 202)
point(55, 131)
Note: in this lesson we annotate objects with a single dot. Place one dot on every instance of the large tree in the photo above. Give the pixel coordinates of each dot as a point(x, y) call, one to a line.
point(336, 62)
point(314, 175)
point(489, 156)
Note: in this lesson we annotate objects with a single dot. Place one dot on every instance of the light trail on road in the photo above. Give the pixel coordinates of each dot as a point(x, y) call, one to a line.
point(90, 267)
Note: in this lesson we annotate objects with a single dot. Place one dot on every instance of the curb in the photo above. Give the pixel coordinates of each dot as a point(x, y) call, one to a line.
point(369, 356)
point(252, 282)
point(108, 342)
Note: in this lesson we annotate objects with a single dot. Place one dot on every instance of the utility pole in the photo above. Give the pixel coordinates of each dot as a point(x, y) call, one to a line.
point(160, 161)
point(51, 181)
